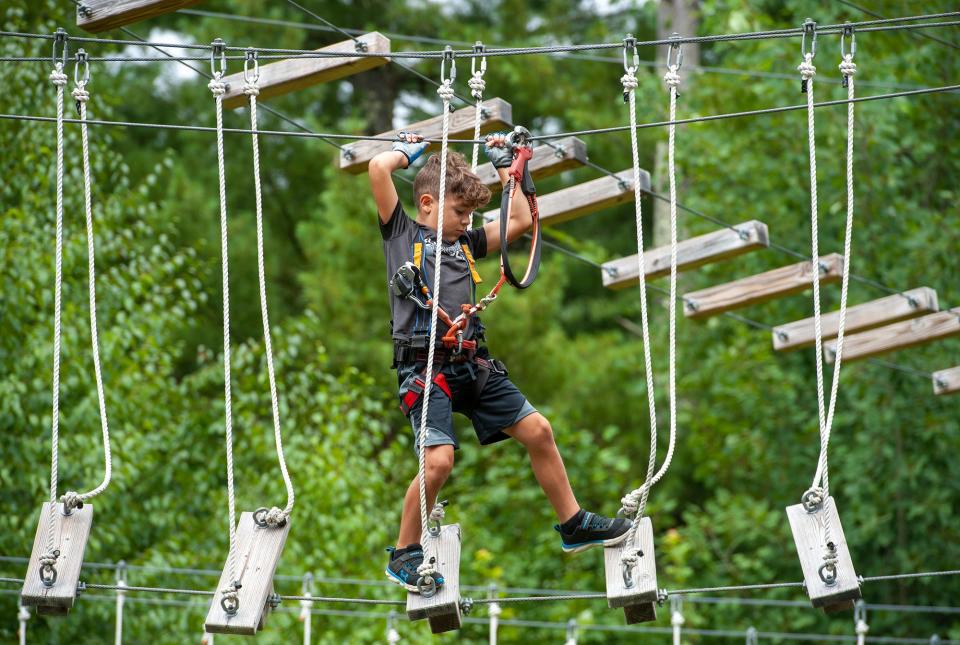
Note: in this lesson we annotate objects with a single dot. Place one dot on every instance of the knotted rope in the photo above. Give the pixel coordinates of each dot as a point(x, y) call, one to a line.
point(229, 595)
point(274, 517)
point(477, 87)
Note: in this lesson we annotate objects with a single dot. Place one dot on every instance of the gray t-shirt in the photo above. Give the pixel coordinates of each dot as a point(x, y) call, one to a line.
point(400, 236)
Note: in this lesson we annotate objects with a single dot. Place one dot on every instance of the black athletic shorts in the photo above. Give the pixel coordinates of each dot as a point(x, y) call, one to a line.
point(499, 405)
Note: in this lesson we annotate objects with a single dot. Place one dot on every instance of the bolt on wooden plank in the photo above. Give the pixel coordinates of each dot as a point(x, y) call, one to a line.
point(946, 381)
point(442, 609)
point(548, 160)
point(832, 588)
point(301, 72)
point(258, 552)
point(636, 591)
point(773, 284)
point(695, 252)
point(883, 311)
point(919, 331)
point(496, 114)
point(102, 15)
point(71, 533)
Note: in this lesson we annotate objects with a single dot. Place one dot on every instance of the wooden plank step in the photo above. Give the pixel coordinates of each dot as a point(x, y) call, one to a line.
point(692, 253)
point(926, 329)
point(443, 608)
point(299, 72)
point(761, 287)
point(102, 15)
point(569, 152)
point(638, 600)
point(808, 530)
point(868, 315)
point(947, 381)
point(582, 199)
point(258, 552)
point(71, 533)
point(497, 114)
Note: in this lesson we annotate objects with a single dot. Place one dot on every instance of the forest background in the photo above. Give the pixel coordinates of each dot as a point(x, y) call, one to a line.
point(747, 416)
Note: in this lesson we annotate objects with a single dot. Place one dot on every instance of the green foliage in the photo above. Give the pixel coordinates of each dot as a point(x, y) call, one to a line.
point(747, 417)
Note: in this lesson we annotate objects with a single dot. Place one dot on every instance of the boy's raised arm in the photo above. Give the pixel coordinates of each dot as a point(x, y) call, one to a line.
point(521, 219)
point(405, 151)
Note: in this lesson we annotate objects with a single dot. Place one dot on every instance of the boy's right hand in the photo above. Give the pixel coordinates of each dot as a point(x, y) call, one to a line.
point(498, 151)
point(411, 145)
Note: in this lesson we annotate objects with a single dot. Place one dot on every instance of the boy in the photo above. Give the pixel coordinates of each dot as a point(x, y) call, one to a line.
point(470, 383)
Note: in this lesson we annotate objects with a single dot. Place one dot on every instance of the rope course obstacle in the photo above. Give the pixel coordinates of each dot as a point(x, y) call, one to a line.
point(246, 593)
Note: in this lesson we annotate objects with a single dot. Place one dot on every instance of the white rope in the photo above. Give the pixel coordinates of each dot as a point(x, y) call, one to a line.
point(218, 88)
point(72, 499)
point(274, 516)
point(446, 93)
point(477, 86)
point(59, 79)
point(634, 503)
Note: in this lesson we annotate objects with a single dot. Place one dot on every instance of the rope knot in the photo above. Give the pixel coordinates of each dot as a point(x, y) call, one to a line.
point(437, 513)
point(217, 87)
point(427, 568)
point(494, 610)
point(71, 499)
point(629, 81)
point(806, 68)
point(672, 78)
point(446, 92)
point(251, 88)
point(49, 558)
point(477, 85)
point(81, 94)
point(862, 628)
point(275, 517)
point(848, 67)
point(57, 77)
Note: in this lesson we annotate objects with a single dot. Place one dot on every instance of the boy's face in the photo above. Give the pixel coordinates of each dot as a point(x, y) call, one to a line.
point(457, 217)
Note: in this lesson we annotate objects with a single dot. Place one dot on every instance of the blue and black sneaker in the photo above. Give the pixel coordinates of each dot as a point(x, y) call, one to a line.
point(402, 568)
point(586, 530)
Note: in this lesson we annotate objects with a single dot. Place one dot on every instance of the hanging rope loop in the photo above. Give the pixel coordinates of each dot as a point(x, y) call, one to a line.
point(60, 38)
point(218, 51)
point(848, 33)
point(448, 57)
point(476, 83)
point(675, 48)
point(809, 29)
point(630, 50)
point(251, 72)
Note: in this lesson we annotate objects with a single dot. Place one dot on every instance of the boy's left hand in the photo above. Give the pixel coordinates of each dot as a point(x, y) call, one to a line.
point(497, 151)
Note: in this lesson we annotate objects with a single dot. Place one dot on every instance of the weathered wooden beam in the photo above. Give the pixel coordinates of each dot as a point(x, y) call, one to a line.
point(299, 72)
point(881, 340)
point(562, 154)
point(102, 15)
point(875, 313)
point(258, 552)
point(760, 288)
point(70, 540)
point(442, 609)
point(496, 114)
point(831, 589)
point(692, 253)
point(639, 599)
point(947, 381)
point(588, 197)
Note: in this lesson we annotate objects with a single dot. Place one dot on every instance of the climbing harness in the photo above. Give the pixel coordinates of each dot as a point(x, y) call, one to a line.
point(634, 503)
point(72, 500)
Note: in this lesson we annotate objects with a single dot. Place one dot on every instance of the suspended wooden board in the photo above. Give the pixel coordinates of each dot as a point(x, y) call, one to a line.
point(947, 381)
point(258, 552)
point(443, 608)
point(809, 535)
point(639, 599)
point(70, 538)
point(760, 288)
point(102, 15)
point(692, 253)
point(496, 114)
point(582, 199)
point(562, 154)
point(881, 340)
point(299, 72)
point(875, 313)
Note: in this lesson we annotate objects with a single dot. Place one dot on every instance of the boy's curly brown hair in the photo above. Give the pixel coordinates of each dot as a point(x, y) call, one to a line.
point(461, 181)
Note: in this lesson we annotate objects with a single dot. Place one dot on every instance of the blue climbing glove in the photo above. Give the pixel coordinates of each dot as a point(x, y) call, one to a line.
point(498, 151)
point(411, 145)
